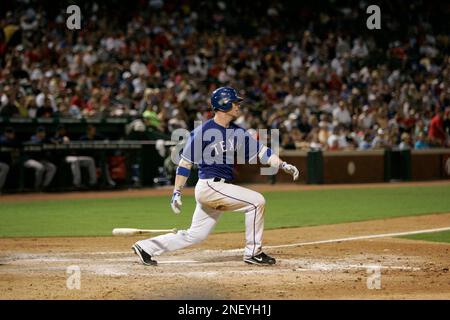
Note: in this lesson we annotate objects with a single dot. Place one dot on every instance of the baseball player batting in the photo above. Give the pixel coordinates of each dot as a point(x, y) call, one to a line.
point(214, 192)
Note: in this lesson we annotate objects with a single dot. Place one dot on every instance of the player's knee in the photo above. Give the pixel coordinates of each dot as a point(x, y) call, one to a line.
point(196, 236)
point(260, 201)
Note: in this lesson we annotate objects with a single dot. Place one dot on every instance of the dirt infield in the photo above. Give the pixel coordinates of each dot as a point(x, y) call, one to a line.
point(36, 268)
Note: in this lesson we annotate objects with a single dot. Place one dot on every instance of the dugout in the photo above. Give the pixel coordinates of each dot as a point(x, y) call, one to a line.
point(130, 163)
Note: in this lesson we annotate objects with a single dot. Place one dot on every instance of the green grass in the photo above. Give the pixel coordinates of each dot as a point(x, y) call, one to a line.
point(97, 217)
point(443, 236)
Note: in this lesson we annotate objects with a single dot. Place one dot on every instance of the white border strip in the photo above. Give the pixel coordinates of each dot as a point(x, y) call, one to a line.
point(374, 236)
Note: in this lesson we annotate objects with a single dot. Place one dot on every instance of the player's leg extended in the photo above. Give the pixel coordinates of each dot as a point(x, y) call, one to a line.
point(203, 222)
point(75, 168)
point(39, 170)
point(89, 163)
point(50, 171)
point(230, 197)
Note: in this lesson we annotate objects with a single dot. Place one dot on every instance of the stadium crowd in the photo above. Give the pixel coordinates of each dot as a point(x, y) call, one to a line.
point(319, 75)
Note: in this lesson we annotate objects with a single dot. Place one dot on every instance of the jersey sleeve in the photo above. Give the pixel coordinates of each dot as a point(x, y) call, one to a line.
point(192, 151)
point(254, 148)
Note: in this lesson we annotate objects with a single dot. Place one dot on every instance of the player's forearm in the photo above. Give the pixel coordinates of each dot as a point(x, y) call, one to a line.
point(180, 182)
point(183, 171)
point(274, 161)
point(268, 157)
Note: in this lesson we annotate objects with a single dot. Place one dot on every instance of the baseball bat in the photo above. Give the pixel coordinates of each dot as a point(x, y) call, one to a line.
point(134, 231)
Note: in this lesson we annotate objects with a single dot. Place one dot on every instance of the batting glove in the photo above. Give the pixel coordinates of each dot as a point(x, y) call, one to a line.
point(176, 203)
point(290, 169)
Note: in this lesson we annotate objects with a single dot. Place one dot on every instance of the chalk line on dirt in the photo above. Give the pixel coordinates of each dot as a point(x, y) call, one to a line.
point(366, 237)
point(52, 257)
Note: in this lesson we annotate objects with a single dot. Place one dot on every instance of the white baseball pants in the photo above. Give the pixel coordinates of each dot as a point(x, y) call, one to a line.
point(213, 198)
point(40, 168)
point(75, 165)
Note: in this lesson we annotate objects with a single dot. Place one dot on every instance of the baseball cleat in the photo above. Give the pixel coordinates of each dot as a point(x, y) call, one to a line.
point(146, 259)
point(260, 259)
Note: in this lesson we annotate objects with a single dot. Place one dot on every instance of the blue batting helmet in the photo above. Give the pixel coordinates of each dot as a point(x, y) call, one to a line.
point(222, 98)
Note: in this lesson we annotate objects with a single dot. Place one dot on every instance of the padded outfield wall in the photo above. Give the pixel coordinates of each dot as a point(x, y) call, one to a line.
point(371, 166)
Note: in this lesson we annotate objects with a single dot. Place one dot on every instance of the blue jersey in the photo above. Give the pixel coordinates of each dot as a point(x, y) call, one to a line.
point(215, 149)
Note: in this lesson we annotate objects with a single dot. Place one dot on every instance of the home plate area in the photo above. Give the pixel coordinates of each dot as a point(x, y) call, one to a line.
point(378, 268)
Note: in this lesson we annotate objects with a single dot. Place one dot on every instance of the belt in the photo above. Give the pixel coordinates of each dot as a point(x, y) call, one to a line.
point(221, 180)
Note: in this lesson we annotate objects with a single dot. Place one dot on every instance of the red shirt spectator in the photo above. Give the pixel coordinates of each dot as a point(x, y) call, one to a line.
point(409, 122)
point(335, 83)
point(214, 71)
point(152, 68)
point(436, 130)
point(76, 100)
point(170, 63)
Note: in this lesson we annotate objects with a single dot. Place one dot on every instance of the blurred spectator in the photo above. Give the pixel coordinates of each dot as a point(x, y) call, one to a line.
point(381, 118)
point(176, 122)
point(161, 61)
point(447, 124)
point(46, 99)
point(366, 142)
point(30, 106)
point(365, 119)
point(380, 141)
point(8, 106)
point(337, 140)
point(436, 132)
point(341, 115)
point(287, 142)
point(10, 110)
point(406, 142)
point(45, 110)
point(421, 142)
point(152, 120)
point(315, 142)
point(304, 125)
point(324, 129)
